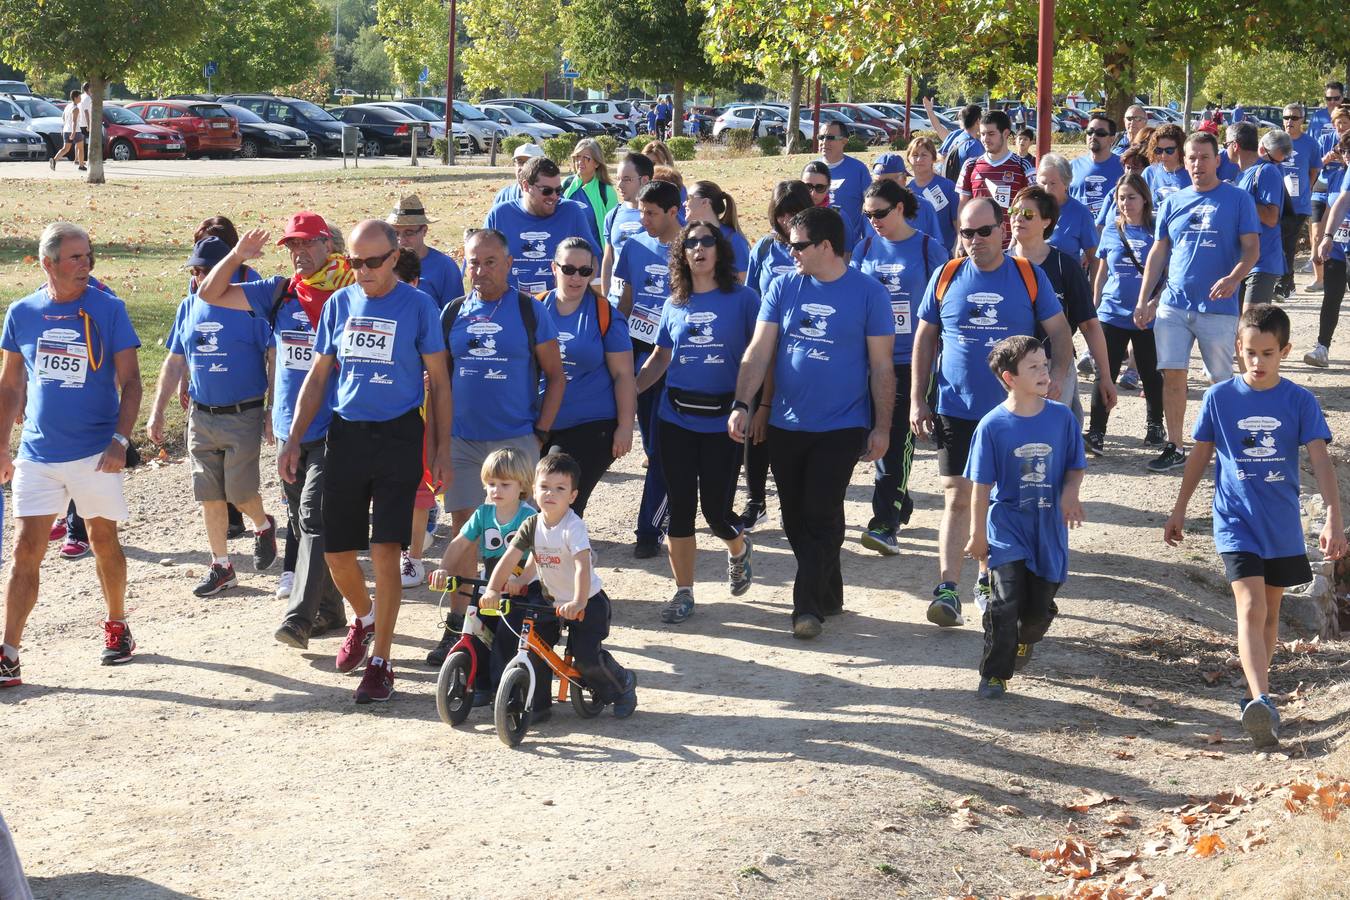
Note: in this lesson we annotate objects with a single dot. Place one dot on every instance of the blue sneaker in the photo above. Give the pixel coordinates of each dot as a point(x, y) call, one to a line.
point(945, 610)
point(992, 688)
point(627, 702)
point(882, 540)
point(679, 607)
point(1261, 721)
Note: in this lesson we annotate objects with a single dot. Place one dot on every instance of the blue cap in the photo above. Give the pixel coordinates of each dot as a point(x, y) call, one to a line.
point(889, 164)
point(207, 252)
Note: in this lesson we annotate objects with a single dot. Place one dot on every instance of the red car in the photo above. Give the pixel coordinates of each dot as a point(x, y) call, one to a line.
point(866, 115)
point(127, 136)
point(207, 129)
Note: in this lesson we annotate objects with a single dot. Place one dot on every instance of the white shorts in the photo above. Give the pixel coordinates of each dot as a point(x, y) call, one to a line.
point(46, 489)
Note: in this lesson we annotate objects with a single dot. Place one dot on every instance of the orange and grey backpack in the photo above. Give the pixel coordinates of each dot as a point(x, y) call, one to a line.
point(1025, 267)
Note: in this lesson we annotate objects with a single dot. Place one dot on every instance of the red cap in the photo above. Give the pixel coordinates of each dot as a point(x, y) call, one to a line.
point(306, 225)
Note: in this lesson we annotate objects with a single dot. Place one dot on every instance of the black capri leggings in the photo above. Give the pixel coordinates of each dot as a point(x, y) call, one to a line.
point(1118, 340)
point(700, 467)
point(1333, 292)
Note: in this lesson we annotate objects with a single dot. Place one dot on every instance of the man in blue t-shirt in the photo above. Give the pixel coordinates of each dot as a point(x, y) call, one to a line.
point(829, 335)
point(1301, 169)
point(624, 220)
point(535, 224)
point(441, 277)
point(1207, 239)
point(1095, 174)
point(1262, 179)
point(377, 337)
point(971, 304)
point(849, 177)
point(70, 350)
point(224, 354)
point(957, 146)
point(523, 154)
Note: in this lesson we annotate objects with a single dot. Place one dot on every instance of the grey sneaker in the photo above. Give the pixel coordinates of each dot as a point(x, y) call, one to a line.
point(1261, 720)
point(739, 571)
point(983, 592)
point(807, 627)
point(679, 607)
point(1086, 366)
point(1316, 287)
point(1171, 457)
point(1317, 356)
point(945, 610)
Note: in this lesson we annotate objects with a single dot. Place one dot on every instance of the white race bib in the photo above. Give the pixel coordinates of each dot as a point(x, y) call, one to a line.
point(1342, 233)
point(936, 197)
point(1291, 184)
point(1002, 194)
point(369, 338)
point(900, 309)
point(643, 324)
point(63, 361)
point(297, 350)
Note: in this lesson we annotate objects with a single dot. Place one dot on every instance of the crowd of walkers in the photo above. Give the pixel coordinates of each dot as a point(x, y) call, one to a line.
point(937, 293)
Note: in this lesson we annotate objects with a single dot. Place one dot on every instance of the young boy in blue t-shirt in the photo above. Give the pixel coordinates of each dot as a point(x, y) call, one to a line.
point(1026, 463)
point(1256, 423)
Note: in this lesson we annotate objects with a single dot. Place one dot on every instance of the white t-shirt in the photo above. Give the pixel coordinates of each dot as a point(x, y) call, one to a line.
point(68, 116)
point(86, 107)
point(555, 550)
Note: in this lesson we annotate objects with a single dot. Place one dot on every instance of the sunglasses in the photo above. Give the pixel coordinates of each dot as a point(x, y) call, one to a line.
point(1292, 118)
point(1335, 99)
point(875, 214)
point(373, 262)
point(1098, 132)
point(570, 270)
point(831, 137)
point(547, 191)
point(1022, 213)
point(706, 241)
point(800, 246)
point(982, 231)
point(818, 188)
point(1165, 151)
point(1134, 118)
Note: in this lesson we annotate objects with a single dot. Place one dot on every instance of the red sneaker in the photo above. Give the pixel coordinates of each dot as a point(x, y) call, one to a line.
point(353, 650)
point(377, 685)
point(58, 530)
point(73, 549)
point(10, 673)
point(118, 644)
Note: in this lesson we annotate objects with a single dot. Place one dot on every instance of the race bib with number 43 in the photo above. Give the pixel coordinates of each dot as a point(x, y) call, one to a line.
point(369, 338)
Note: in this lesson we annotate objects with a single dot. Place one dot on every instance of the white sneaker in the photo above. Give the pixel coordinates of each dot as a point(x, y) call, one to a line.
point(1317, 356)
point(1315, 288)
point(1307, 268)
point(284, 585)
point(411, 571)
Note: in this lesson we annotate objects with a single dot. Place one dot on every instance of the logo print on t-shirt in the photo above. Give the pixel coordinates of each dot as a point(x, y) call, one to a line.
point(655, 282)
point(889, 275)
point(1202, 217)
point(815, 318)
point(533, 244)
point(700, 327)
point(1095, 186)
point(206, 341)
point(984, 308)
point(1260, 440)
point(563, 338)
point(483, 343)
point(1035, 459)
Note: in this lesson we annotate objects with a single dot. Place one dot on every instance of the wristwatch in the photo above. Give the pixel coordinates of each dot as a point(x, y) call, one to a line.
point(740, 405)
point(121, 439)
point(542, 435)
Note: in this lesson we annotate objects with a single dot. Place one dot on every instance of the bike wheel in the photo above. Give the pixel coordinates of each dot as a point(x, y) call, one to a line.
point(510, 714)
point(454, 694)
point(584, 701)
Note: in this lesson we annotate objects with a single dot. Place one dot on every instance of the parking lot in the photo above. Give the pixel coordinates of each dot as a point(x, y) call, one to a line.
point(153, 169)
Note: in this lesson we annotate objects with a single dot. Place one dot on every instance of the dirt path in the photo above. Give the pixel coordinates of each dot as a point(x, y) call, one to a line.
point(222, 764)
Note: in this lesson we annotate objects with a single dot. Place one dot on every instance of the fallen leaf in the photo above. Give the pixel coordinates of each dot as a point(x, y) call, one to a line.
point(1122, 754)
point(1207, 845)
point(964, 820)
point(1212, 677)
point(887, 827)
point(963, 802)
point(1123, 819)
point(1008, 810)
point(1089, 800)
point(1214, 737)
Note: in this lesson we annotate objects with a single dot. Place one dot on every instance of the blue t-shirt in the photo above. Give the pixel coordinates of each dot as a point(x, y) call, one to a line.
point(1026, 459)
point(1205, 229)
point(903, 268)
point(225, 350)
point(1319, 125)
point(441, 278)
point(1340, 231)
point(979, 310)
point(1256, 436)
point(590, 386)
point(941, 195)
point(621, 223)
point(293, 336)
point(1164, 183)
point(1120, 293)
point(1228, 170)
point(1297, 171)
point(1075, 233)
point(1266, 187)
point(707, 337)
point(644, 265)
point(509, 194)
point(72, 399)
point(848, 179)
point(770, 259)
point(1326, 142)
point(821, 368)
point(1093, 181)
point(963, 144)
point(495, 399)
point(740, 249)
point(379, 343)
point(491, 534)
point(532, 239)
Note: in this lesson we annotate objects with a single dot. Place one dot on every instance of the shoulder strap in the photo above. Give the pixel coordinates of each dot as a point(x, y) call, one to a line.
point(927, 268)
point(867, 246)
point(278, 298)
point(1028, 272)
point(532, 329)
point(949, 270)
point(604, 314)
point(448, 324)
point(1129, 251)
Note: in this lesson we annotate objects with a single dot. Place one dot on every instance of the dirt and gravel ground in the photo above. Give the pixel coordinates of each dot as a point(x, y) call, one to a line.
point(221, 764)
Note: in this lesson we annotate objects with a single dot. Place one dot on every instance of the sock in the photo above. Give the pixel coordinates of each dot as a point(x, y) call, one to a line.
point(266, 527)
point(685, 587)
point(377, 662)
point(221, 560)
point(10, 651)
point(368, 619)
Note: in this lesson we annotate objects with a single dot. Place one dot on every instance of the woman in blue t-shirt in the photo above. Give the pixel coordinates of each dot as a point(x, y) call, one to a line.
point(939, 191)
point(709, 203)
point(595, 422)
point(705, 327)
point(1124, 248)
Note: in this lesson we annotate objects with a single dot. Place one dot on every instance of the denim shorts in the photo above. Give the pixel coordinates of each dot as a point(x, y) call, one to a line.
point(1177, 330)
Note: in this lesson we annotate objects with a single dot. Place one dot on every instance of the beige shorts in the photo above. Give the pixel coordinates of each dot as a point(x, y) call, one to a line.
point(224, 449)
point(46, 489)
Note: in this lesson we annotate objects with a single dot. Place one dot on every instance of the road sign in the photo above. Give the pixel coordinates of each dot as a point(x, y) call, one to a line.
point(573, 73)
point(567, 70)
point(425, 76)
point(210, 69)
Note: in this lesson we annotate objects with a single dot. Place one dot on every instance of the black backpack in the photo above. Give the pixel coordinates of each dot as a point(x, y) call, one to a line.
point(951, 166)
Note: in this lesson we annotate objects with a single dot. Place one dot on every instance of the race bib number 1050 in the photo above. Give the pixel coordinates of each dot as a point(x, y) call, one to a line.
point(643, 323)
point(367, 338)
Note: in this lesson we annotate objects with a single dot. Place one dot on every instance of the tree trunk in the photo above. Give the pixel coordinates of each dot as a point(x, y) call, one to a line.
point(94, 146)
point(794, 136)
point(1188, 101)
point(677, 108)
point(1118, 82)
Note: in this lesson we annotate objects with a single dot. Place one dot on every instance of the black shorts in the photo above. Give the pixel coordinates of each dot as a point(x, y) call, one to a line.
point(371, 473)
point(954, 437)
point(1319, 210)
point(1282, 571)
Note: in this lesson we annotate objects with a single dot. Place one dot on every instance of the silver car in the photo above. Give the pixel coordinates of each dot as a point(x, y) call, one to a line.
point(480, 129)
point(518, 121)
point(20, 143)
point(773, 120)
point(618, 116)
point(35, 115)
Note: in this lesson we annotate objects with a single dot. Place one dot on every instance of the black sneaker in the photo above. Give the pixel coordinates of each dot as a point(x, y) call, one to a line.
point(10, 676)
point(646, 549)
point(1094, 444)
point(265, 547)
point(217, 579)
point(1154, 436)
point(326, 621)
point(626, 703)
point(1170, 458)
point(438, 653)
point(754, 514)
point(293, 634)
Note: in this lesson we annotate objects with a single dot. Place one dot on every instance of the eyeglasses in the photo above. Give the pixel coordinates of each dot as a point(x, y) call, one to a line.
point(982, 231)
point(1098, 132)
point(1165, 151)
point(570, 270)
point(1292, 118)
point(706, 241)
point(1022, 213)
point(875, 214)
point(296, 243)
point(545, 191)
point(800, 246)
point(1335, 99)
point(831, 137)
point(1134, 118)
point(373, 262)
point(818, 188)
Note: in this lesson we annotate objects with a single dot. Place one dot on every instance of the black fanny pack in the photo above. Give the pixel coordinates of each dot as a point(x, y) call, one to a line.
point(694, 403)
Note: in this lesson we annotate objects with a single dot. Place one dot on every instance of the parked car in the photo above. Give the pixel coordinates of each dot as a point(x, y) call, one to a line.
point(207, 128)
point(35, 115)
point(616, 115)
point(15, 87)
point(865, 114)
point(324, 132)
point(555, 115)
point(127, 136)
point(1162, 115)
point(517, 121)
point(773, 120)
point(258, 137)
point(918, 119)
point(867, 133)
point(479, 128)
point(434, 122)
point(384, 131)
point(344, 92)
point(20, 143)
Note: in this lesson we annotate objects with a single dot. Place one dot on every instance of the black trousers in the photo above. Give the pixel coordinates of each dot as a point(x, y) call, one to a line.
point(891, 504)
point(757, 471)
point(1021, 608)
point(1333, 292)
point(1118, 341)
point(586, 638)
point(812, 470)
point(1290, 228)
point(700, 467)
point(591, 444)
point(313, 590)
